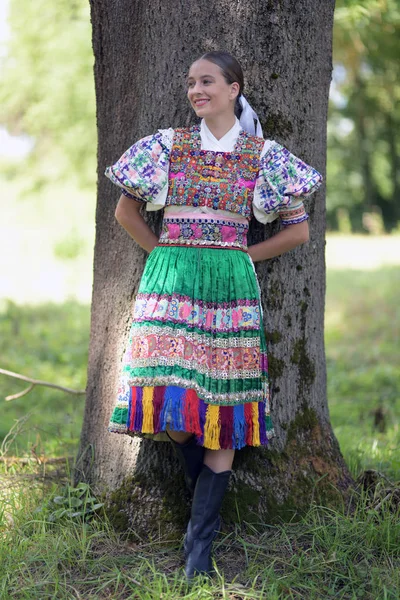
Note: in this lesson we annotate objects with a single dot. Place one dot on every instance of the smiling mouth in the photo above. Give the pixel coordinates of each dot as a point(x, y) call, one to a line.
point(201, 102)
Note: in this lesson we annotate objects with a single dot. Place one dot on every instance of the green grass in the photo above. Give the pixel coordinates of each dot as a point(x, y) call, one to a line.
point(325, 555)
point(363, 358)
point(47, 342)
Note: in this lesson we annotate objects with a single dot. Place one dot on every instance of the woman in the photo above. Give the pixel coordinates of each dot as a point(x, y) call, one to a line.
point(196, 364)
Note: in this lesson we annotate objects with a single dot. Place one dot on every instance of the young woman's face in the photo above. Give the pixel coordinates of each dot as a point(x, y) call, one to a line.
point(208, 92)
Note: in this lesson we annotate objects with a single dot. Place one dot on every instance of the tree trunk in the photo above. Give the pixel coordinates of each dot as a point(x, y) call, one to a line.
point(142, 54)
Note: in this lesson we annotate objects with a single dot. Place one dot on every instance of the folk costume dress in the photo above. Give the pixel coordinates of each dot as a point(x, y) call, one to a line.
point(196, 358)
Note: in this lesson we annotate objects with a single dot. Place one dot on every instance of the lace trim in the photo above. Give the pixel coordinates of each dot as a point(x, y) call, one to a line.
point(166, 137)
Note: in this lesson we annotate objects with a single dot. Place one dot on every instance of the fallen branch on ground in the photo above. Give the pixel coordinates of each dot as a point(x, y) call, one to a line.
point(34, 382)
point(42, 460)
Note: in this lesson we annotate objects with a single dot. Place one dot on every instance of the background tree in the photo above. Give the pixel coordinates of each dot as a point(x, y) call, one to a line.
point(363, 137)
point(142, 52)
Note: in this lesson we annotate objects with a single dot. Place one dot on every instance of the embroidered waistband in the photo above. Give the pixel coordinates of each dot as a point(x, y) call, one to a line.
point(204, 230)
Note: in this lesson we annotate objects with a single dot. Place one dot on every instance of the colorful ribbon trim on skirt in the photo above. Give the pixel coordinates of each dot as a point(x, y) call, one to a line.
point(153, 409)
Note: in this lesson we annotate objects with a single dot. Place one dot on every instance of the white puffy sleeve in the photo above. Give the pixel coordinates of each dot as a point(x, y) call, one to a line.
point(282, 182)
point(142, 171)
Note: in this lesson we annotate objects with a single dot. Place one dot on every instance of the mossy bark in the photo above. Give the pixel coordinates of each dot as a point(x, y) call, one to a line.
point(267, 485)
point(142, 53)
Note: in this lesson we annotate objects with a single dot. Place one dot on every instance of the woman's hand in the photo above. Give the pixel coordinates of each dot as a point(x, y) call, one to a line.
point(287, 239)
point(129, 217)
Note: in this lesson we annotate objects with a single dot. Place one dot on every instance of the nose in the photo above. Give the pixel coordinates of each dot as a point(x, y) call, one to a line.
point(196, 89)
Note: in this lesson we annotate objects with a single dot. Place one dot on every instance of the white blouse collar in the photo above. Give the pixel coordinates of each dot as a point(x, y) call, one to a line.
point(225, 144)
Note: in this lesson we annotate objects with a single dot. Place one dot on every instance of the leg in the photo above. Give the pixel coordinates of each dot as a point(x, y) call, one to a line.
point(181, 437)
point(219, 460)
point(204, 521)
point(190, 455)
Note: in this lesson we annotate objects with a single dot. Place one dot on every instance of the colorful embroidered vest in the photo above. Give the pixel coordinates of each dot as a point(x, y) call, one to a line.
point(220, 180)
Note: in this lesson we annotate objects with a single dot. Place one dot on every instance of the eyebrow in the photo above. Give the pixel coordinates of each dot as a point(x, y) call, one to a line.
point(189, 78)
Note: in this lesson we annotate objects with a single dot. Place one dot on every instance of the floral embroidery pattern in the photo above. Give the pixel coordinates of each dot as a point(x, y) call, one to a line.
point(282, 176)
point(237, 181)
point(141, 172)
point(225, 317)
point(220, 180)
point(197, 338)
point(204, 232)
point(170, 349)
point(187, 358)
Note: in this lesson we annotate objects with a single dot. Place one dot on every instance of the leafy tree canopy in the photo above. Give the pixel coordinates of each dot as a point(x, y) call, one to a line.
point(364, 146)
point(47, 88)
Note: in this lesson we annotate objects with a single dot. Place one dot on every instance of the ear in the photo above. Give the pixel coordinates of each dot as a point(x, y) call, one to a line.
point(235, 89)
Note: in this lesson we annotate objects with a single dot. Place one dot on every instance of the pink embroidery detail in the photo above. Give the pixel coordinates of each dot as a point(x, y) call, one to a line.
point(228, 234)
point(151, 304)
point(197, 231)
point(170, 349)
point(185, 311)
point(219, 232)
point(173, 230)
point(250, 185)
point(235, 318)
point(179, 175)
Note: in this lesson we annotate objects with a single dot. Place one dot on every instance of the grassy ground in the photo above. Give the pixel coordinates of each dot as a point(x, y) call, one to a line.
point(326, 555)
point(363, 356)
point(47, 342)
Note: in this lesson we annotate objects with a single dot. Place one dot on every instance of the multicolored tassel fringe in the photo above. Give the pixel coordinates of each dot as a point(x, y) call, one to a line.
point(153, 409)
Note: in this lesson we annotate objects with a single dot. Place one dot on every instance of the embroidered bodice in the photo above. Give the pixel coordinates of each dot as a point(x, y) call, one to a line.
point(218, 180)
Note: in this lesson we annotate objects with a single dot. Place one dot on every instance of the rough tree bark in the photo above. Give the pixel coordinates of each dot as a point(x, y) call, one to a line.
point(142, 53)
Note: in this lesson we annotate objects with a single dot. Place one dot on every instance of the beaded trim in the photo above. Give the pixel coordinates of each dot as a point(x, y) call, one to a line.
point(193, 364)
point(225, 399)
point(296, 214)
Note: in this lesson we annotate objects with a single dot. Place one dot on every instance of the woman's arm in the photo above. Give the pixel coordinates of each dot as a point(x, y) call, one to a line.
point(287, 239)
point(129, 217)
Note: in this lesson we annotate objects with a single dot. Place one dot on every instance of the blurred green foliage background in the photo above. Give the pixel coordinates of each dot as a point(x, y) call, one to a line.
point(47, 92)
point(363, 128)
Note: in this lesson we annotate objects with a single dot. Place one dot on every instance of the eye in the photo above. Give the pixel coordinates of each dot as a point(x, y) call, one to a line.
point(206, 81)
point(190, 84)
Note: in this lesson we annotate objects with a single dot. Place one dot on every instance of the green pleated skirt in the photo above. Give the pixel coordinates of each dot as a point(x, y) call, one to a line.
point(196, 358)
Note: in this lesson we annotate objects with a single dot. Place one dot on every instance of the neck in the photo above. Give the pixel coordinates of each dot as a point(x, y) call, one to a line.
point(220, 125)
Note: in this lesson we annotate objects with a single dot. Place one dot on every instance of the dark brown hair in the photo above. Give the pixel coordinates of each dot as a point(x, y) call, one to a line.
point(231, 70)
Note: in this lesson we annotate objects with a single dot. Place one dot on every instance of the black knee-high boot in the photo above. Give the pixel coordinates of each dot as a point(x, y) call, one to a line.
point(204, 521)
point(191, 457)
